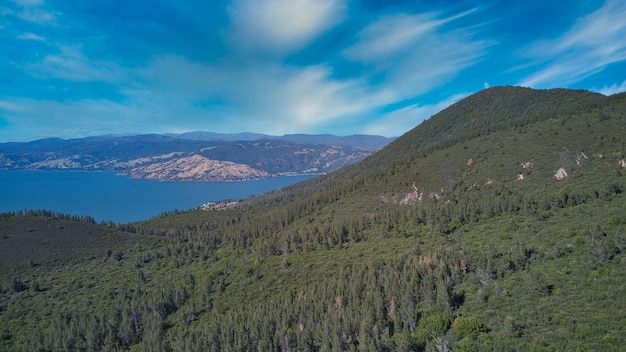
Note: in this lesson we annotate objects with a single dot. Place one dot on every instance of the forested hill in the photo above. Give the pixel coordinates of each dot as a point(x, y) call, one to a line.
point(497, 224)
point(496, 136)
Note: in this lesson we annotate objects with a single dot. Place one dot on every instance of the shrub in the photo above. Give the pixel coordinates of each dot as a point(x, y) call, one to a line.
point(431, 326)
point(468, 326)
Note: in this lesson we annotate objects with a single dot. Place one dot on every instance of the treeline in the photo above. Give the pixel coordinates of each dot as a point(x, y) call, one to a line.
point(50, 214)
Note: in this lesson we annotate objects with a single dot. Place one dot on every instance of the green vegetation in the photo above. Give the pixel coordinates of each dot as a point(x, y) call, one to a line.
point(490, 253)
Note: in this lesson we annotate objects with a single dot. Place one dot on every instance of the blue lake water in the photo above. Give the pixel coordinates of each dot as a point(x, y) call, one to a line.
point(108, 197)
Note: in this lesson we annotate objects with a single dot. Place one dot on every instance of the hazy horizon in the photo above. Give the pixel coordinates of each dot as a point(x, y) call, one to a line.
point(189, 132)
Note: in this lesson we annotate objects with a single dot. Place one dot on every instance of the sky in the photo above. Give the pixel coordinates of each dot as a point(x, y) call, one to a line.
point(72, 69)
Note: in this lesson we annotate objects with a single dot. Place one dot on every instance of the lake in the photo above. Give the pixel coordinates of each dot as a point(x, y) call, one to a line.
point(108, 197)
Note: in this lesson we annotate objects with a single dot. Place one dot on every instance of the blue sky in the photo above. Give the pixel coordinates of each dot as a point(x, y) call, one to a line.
point(79, 68)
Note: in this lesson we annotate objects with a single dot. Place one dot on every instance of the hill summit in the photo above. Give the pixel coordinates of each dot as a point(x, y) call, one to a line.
point(497, 224)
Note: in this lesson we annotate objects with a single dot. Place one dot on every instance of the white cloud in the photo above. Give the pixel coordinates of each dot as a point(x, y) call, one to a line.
point(413, 54)
point(281, 25)
point(86, 117)
point(9, 106)
point(613, 89)
point(390, 35)
point(31, 36)
point(28, 2)
point(268, 98)
point(71, 64)
point(34, 11)
point(63, 119)
point(594, 42)
point(400, 121)
point(393, 34)
point(311, 97)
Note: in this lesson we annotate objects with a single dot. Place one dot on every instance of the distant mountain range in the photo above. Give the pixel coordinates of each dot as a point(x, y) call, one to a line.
point(367, 142)
point(193, 156)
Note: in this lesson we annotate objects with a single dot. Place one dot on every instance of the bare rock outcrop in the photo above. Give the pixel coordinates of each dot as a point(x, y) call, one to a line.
point(560, 174)
point(196, 168)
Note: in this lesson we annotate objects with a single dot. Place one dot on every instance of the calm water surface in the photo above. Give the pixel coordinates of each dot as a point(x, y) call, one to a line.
point(108, 197)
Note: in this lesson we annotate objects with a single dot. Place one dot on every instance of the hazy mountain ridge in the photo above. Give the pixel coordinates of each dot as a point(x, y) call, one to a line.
point(483, 261)
point(134, 154)
point(368, 142)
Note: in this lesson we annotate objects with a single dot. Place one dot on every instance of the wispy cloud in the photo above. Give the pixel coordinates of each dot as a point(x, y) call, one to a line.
point(71, 64)
point(402, 120)
point(613, 89)
point(67, 119)
point(31, 36)
point(28, 3)
point(594, 42)
point(34, 11)
point(413, 54)
point(294, 98)
point(392, 34)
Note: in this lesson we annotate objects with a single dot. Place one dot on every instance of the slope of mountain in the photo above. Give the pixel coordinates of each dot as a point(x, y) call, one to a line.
point(135, 154)
point(498, 225)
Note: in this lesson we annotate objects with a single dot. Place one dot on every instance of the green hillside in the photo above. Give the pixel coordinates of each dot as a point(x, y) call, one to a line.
point(499, 224)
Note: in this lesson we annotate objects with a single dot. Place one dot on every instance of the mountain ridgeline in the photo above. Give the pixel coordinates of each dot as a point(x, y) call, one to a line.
point(193, 156)
point(496, 225)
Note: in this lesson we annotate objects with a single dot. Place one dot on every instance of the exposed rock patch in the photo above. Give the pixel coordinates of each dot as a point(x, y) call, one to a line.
point(560, 174)
point(62, 164)
point(140, 161)
point(196, 168)
point(412, 198)
point(580, 158)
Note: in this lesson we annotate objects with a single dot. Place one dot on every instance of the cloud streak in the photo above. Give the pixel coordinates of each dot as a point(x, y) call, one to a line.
point(404, 119)
point(31, 36)
point(295, 98)
point(413, 54)
point(80, 118)
point(613, 89)
point(588, 47)
point(71, 64)
point(34, 11)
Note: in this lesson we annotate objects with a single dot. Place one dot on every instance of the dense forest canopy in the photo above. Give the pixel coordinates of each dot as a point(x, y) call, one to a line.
point(497, 224)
